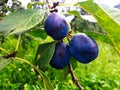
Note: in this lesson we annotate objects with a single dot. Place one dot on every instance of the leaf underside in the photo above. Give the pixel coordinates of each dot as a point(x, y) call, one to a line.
point(21, 20)
point(4, 62)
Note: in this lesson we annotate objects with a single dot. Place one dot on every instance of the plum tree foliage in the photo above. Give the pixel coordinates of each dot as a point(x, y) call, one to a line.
point(64, 43)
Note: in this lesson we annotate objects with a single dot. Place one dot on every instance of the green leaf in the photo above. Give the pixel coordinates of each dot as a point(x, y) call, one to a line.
point(4, 62)
point(38, 32)
point(112, 12)
point(99, 37)
point(107, 23)
point(47, 82)
point(29, 5)
point(44, 54)
point(74, 12)
point(21, 20)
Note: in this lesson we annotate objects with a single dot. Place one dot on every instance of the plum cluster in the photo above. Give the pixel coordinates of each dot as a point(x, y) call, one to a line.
point(81, 46)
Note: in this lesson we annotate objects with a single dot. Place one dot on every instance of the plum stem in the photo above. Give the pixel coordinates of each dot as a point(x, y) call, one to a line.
point(74, 78)
point(2, 49)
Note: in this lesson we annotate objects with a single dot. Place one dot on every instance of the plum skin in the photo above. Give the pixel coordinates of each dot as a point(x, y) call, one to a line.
point(61, 56)
point(83, 48)
point(56, 26)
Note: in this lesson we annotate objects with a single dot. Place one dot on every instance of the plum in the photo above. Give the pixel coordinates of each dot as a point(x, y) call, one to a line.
point(56, 26)
point(83, 48)
point(61, 56)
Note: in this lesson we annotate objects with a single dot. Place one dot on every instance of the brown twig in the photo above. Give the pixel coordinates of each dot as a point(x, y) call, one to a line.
point(74, 79)
point(47, 1)
point(12, 55)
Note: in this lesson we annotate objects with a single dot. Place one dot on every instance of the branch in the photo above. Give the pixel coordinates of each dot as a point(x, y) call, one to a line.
point(18, 42)
point(47, 1)
point(74, 79)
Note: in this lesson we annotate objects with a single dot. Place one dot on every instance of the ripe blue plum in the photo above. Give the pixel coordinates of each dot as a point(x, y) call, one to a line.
point(56, 26)
point(83, 48)
point(61, 56)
